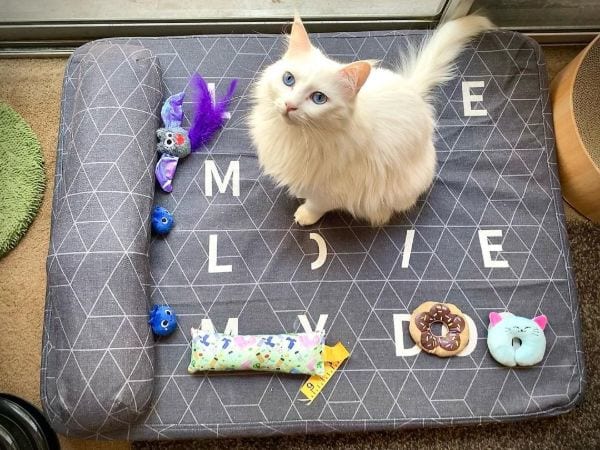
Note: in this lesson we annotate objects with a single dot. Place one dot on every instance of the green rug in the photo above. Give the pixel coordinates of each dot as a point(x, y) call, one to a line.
point(22, 179)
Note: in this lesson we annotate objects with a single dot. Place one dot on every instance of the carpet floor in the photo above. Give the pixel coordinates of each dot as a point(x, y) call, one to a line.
point(32, 87)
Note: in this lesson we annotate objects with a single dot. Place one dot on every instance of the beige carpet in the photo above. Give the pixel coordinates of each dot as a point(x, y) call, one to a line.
point(32, 87)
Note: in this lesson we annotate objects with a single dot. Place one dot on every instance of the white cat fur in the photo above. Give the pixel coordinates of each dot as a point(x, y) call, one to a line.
point(369, 149)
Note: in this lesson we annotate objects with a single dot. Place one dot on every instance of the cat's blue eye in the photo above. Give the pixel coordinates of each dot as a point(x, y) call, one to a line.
point(318, 97)
point(288, 79)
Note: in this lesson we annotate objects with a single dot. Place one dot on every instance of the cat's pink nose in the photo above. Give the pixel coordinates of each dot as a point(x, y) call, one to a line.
point(290, 107)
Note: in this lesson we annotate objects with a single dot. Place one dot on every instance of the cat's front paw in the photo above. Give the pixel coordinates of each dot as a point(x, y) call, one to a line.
point(305, 216)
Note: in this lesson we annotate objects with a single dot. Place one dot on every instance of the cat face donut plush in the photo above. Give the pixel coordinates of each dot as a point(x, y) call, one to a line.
point(450, 344)
point(505, 328)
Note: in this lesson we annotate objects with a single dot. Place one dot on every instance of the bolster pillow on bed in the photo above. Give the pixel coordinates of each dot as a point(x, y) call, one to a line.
point(102, 360)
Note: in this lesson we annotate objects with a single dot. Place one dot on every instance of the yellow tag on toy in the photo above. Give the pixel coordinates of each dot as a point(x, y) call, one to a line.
point(333, 358)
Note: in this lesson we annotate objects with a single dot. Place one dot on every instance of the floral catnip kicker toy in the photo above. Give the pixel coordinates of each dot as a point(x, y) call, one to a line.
point(174, 141)
point(297, 353)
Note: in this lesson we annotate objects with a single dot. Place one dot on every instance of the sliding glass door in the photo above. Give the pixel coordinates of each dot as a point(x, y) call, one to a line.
point(543, 15)
point(67, 23)
point(185, 10)
point(71, 22)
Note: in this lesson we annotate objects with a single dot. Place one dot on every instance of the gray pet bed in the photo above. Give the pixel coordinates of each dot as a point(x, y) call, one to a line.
point(105, 376)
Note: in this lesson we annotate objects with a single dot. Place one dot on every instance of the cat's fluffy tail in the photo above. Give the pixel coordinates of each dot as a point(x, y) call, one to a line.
point(433, 62)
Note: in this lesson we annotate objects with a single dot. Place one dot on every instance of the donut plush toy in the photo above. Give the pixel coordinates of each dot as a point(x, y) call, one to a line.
point(505, 328)
point(429, 313)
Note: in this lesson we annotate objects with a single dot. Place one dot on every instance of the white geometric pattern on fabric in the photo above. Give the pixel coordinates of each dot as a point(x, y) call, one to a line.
point(496, 172)
point(102, 349)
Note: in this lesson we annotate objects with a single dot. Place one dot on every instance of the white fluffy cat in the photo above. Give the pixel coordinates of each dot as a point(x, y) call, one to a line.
point(353, 136)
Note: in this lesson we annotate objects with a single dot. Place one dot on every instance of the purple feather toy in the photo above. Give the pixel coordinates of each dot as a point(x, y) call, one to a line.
point(210, 114)
point(174, 142)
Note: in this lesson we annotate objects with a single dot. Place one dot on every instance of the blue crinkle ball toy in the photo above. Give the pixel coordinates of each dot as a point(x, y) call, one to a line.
point(162, 220)
point(162, 320)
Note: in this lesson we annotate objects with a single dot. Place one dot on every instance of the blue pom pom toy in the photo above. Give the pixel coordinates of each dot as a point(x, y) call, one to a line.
point(162, 220)
point(162, 320)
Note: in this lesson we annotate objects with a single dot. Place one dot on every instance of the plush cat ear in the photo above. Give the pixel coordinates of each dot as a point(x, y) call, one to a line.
point(299, 42)
point(541, 321)
point(355, 75)
point(495, 318)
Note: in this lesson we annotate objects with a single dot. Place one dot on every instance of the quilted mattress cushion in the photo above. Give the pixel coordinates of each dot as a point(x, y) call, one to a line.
point(488, 236)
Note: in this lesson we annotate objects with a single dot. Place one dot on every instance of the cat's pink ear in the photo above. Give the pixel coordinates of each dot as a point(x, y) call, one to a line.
point(355, 75)
point(542, 321)
point(495, 318)
point(299, 43)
